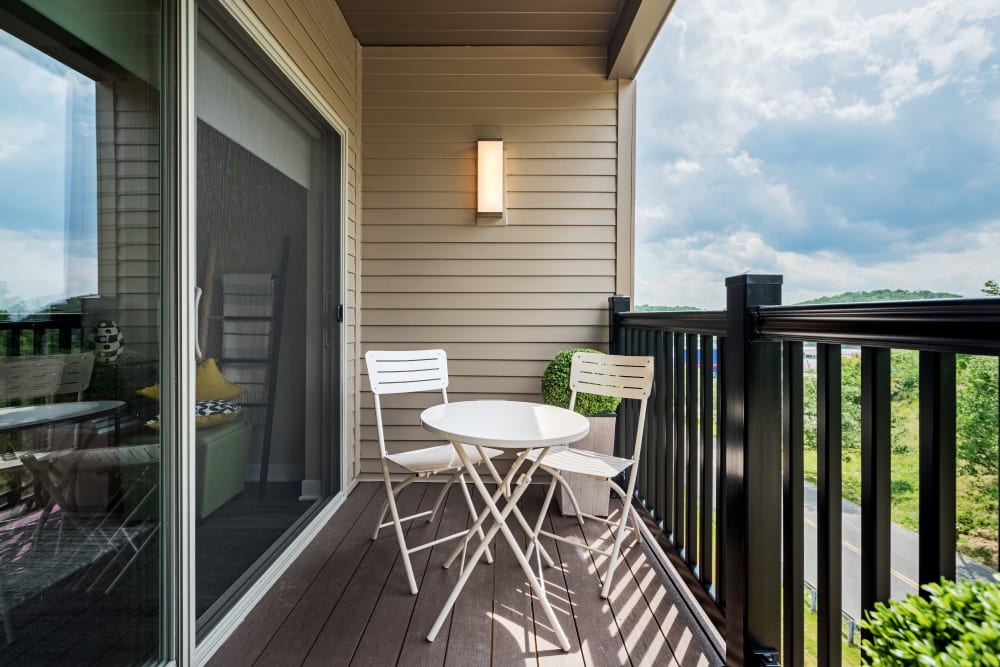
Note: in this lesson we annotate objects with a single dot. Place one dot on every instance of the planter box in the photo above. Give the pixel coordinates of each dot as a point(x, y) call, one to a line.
point(592, 494)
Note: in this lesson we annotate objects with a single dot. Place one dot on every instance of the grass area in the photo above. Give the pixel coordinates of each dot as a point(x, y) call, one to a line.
point(850, 653)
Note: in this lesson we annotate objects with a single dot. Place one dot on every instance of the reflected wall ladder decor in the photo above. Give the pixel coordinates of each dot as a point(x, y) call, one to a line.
point(252, 315)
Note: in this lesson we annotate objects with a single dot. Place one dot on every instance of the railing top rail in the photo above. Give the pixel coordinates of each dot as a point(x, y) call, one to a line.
point(943, 325)
point(704, 322)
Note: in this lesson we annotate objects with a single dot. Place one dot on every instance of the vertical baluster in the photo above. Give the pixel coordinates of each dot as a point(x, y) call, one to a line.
point(828, 543)
point(661, 385)
point(666, 467)
point(721, 420)
point(876, 491)
point(680, 443)
point(937, 467)
point(646, 469)
point(693, 449)
point(631, 422)
point(792, 528)
point(707, 465)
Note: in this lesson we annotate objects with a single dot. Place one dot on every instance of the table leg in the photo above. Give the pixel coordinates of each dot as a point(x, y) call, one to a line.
point(517, 511)
point(502, 486)
point(501, 525)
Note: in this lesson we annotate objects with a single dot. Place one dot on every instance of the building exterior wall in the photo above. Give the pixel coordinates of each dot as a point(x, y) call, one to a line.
point(317, 39)
point(501, 300)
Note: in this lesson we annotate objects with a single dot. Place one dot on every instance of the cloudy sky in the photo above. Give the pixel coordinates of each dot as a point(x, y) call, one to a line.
point(34, 119)
point(846, 144)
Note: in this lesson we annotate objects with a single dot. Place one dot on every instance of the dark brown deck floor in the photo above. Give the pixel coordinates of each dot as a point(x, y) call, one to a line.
point(345, 601)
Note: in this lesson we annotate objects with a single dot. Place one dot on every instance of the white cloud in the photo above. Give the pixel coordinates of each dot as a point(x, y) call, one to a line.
point(692, 269)
point(31, 265)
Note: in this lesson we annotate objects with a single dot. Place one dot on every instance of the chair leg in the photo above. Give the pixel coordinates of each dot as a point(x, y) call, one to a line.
point(403, 551)
point(541, 517)
point(474, 515)
point(616, 551)
point(572, 499)
point(440, 497)
point(385, 504)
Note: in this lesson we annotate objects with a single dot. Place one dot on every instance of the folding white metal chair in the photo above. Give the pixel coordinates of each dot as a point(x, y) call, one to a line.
point(403, 372)
point(606, 375)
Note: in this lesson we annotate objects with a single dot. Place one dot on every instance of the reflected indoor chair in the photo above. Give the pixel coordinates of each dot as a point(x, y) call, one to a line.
point(627, 377)
point(403, 372)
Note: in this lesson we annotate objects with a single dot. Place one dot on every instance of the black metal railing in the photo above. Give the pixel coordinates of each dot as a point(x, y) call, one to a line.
point(41, 334)
point(721, 475)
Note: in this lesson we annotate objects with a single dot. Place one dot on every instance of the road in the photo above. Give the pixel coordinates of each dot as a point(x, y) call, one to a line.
point(903, 560)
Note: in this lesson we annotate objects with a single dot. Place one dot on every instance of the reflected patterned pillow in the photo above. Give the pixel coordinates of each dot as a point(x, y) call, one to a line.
point(207, 413)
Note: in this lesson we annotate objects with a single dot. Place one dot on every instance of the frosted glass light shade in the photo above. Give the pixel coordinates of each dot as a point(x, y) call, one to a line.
point(490, 179)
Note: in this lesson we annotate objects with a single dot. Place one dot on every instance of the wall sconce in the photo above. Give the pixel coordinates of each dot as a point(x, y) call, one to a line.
point(490, 190)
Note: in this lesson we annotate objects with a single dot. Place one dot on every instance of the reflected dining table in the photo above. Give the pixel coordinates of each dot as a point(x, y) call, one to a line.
point(520, 427)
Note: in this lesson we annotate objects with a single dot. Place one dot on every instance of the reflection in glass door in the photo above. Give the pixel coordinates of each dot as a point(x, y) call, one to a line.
point(81, 543)
point(266, 219)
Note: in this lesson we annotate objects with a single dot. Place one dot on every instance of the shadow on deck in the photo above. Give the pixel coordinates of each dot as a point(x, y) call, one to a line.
point(346, 601)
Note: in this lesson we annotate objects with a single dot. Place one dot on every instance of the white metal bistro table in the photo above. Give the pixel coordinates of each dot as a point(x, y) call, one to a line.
point(504, 425)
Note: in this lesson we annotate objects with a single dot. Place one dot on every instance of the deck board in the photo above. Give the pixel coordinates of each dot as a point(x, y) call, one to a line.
point(346, 600)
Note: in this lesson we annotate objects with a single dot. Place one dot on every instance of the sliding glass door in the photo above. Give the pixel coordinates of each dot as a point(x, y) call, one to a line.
point(82, 565)
point(267, 228)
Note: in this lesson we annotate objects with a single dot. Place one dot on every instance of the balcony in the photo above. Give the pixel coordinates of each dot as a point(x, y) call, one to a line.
point(346, 601)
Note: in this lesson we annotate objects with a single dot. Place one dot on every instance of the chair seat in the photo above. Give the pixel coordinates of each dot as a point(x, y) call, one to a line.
point(436, 459)
point(567, 459)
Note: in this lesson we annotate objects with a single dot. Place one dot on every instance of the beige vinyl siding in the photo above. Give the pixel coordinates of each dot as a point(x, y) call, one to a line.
point(501, 300)
point(128, 229)
point(317, 39)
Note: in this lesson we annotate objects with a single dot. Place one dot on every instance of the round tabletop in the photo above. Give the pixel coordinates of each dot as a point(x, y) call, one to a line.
point(505, 424)
point(34, 415)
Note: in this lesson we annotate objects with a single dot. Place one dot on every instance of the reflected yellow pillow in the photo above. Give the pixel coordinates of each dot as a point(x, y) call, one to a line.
point(210, 385)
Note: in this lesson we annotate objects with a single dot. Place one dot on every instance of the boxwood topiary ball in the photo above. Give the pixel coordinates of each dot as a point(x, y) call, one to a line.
point(555, 387)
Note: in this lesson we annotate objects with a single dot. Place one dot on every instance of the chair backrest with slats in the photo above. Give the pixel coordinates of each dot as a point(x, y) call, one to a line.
point(614, 375)
point(76, 373)
point(34, 376)
point(404, 372)
point(45, 375)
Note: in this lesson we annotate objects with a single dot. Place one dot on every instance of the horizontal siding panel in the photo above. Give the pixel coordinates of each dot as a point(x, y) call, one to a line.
point(536, 250)
point(493, 317)
point(607, 6)
point(442, 66)
point(476, 351)
point(431, 22)
point(495, 116)
point(420, 99)
point(513, 133)
point(465, 217)
point(420, 183)
point(561, 200)
point(488, 36)
point(464, 165)
point(512, 83)
point(518, 235)
point(471, 301)
point(496, 267)
point(462, 200)
point(560, 167)
point(443, 334)
point(572, 151)
point(590, 184)
point(488, 284)
point(424, 401)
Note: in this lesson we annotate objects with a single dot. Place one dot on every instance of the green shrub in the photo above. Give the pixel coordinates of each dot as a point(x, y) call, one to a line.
point(555, 387)
point(958, 624)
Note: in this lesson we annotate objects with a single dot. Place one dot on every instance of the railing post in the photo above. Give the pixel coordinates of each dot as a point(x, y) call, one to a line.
point(617, 305)
point(752, 475)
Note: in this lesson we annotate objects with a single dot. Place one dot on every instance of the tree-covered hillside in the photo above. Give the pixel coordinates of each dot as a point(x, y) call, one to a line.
point(882, 295)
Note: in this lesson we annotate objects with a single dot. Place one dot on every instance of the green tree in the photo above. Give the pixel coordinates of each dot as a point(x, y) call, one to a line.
point(990, 288)
point(976, 413)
